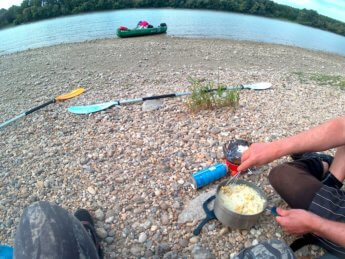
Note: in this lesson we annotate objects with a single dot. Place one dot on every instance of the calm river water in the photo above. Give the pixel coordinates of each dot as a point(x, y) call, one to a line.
point(182, 22)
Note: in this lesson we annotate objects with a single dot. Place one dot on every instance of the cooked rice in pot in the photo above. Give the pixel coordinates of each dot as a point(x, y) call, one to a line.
point(241, 199)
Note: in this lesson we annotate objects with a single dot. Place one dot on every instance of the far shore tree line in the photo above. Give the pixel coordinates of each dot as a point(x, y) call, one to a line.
point(35, 10)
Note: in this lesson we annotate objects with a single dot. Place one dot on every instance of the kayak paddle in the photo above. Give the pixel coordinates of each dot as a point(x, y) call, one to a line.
point(69, 95)
point(103, 106)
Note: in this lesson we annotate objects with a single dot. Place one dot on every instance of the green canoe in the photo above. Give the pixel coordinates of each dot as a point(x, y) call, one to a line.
point(142, 32)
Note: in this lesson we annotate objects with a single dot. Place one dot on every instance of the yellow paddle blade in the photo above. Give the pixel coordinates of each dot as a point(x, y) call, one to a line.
point(70, 95)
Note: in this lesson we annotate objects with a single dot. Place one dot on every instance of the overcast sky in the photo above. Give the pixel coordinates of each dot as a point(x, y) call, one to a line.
point(8, 3)
point(331, 8)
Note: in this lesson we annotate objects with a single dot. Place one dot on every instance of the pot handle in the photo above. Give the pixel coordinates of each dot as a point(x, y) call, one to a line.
point(209, 215)
point(202, 223)
point(273, 211)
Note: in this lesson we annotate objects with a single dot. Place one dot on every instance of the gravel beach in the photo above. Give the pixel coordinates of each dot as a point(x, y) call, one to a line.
point(130, 167)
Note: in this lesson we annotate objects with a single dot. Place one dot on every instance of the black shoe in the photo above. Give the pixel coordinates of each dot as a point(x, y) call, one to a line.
point(85, 218)
point(323, 157)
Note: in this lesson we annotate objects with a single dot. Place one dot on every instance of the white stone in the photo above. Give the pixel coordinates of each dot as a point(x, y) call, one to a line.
point(91, 190)
point(99, 214)
point(142, 237)
point(109, 220)
point(193, 210)
point(152, 105)
point(180, 181)
point(101, 232)
point(194, 240)
point(255, 242)
point(154, 228)
point(223, 231)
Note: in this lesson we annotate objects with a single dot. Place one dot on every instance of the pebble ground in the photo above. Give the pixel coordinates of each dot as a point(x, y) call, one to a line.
point(132, 168)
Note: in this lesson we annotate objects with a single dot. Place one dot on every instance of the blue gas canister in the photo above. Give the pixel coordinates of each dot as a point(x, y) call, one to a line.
point(209, 175)
point(6, 252)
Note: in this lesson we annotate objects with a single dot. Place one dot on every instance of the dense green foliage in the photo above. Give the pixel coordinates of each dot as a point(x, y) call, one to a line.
point(33, 10)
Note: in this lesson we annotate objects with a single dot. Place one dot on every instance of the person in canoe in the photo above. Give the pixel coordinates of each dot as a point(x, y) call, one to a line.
point(143, 25)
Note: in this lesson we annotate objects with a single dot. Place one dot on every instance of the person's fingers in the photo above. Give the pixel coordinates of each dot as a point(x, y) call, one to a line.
point(280, 220)
point(282, 212)
point(244, 166)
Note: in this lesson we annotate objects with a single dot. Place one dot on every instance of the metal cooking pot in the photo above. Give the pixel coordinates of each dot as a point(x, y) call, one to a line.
point(233, 219)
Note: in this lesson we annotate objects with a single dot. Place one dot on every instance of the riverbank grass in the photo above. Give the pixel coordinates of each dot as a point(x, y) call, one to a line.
point(322, 79)
point(209, 95)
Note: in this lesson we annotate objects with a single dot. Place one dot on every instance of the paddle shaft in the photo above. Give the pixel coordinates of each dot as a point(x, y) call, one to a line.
point(103, 106)
point(162, 96)
point(155, 97)
point(27, 113)
point(40, 107)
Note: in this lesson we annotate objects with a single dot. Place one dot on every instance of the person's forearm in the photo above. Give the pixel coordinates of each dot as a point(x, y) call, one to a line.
point(331, 230)
point(325, 136)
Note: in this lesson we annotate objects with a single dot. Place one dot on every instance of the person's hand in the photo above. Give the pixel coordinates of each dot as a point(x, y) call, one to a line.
point(258, 154)
point(295, 221)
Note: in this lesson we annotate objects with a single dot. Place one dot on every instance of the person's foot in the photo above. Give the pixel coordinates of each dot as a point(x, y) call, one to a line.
point(86, 219)
point(323, 157)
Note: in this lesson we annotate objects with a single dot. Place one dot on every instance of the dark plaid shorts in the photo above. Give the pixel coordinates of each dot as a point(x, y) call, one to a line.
point(329, 203)
point(304, 185)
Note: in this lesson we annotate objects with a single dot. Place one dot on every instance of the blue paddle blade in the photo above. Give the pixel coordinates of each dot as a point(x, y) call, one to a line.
point(91, 108)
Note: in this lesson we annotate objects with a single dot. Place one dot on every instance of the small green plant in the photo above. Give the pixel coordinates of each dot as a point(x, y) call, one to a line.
point(301, 76)
point(207, 95)
point(322, 79)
